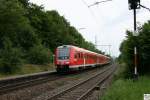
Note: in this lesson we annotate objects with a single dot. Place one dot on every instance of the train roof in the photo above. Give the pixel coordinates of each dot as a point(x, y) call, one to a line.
point(81, 49)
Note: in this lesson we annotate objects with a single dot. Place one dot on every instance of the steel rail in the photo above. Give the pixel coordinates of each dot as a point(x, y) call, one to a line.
point(53, 97)
point(85, 95)
point(24, 81)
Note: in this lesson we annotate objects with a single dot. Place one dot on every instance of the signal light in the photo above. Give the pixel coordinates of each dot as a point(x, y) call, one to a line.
point(134, 4)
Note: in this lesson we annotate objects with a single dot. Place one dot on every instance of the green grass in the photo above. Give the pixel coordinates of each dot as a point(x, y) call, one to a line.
point(125, 89)
point(28, 69)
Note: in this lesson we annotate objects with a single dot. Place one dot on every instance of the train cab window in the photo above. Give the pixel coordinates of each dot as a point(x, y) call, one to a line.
point(63, 53)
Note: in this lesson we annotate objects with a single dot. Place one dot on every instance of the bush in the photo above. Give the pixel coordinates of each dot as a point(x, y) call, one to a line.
point(39, 55)
point(10, 58)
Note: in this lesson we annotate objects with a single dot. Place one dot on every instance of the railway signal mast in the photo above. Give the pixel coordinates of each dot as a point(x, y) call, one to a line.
point(133, 5)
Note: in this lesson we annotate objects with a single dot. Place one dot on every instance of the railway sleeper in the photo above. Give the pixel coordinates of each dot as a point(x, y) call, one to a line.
point(97, 87)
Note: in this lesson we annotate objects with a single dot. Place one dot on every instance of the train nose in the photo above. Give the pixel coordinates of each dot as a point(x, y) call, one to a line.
point(63, 63)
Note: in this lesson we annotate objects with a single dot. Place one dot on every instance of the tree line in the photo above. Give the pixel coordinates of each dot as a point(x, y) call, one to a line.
point(30, 34)
point(142, 42)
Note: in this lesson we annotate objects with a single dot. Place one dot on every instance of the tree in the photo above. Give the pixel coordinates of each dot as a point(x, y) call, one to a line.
point(39, 55)
point(144, 48)
point(142, 41)
point(10, 58)
point(15, 25)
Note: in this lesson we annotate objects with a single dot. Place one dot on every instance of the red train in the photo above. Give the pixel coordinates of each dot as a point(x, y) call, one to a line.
point(68, 57)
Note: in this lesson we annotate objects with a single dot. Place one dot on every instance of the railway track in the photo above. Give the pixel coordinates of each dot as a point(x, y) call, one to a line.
point(80, 90)
point(14, 83)
point(10, 85)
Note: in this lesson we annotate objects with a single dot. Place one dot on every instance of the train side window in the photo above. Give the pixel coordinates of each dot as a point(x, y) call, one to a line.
point(81, 56)
point(75, 56)
point(85, 56)
point(78, 55)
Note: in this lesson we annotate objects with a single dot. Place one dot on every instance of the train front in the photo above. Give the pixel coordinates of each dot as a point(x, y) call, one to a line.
point(62, 58)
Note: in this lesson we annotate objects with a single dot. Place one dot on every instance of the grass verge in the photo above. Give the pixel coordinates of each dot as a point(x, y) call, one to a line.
point(28, 69)
point(127, 89)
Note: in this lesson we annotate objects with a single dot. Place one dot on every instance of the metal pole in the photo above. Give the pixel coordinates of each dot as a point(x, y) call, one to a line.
point(135, 60)
point(53, 61)
point(109, 49)
point(135, 49)
point(95, 41)
point(134, 20)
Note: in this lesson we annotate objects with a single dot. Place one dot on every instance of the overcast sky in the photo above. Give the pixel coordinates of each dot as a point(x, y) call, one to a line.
point(107, 21)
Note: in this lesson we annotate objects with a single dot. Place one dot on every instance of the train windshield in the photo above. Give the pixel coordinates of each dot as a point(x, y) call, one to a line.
point(63, 53)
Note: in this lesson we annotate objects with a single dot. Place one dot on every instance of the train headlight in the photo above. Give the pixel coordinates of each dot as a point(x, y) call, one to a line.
point(67, 62)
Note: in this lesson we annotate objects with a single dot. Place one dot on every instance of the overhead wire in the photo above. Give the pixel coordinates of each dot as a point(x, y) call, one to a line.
point(145, 7)
point(93, 15)
point(91, 12)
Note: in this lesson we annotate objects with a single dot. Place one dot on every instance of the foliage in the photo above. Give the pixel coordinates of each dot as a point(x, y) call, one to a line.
point(39, 55)
point(10, 58)
point(142, 42)
point(15, 25)
point(120, 72)
point(144, 48)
